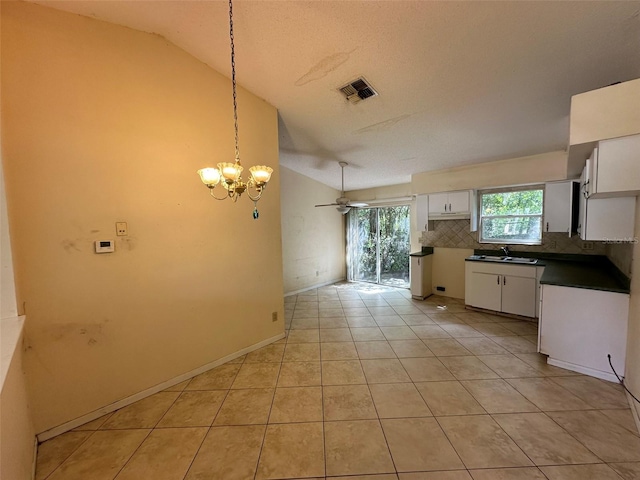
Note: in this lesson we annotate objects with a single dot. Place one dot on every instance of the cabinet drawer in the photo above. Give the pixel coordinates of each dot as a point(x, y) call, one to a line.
point(502, 269)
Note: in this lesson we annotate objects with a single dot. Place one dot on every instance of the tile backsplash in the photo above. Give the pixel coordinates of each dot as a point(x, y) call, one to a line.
point(621, 255)
point(456, 234)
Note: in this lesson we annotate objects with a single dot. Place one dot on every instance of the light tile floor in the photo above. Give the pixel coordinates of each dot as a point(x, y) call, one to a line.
point(368, 384)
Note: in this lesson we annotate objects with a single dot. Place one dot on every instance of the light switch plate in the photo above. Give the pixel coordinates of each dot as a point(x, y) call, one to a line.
point(105, 246)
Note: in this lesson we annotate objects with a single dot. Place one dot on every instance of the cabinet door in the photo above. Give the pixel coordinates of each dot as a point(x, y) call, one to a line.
point(415, 274)
point(609, 219)
point(519, 295)
point(458, 202)
point(484, 290)
point(617, 166)
point(422, 212)
point(439, 203)
point(557, 207)
point(582, 206)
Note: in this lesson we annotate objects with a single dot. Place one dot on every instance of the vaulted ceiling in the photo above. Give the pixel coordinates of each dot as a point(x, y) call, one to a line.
point(458, 82)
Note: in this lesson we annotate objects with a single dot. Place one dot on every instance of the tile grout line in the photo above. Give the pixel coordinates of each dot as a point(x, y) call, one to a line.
point(266, 426)
point(68, 456)
point(134, 452)
point(214, 417)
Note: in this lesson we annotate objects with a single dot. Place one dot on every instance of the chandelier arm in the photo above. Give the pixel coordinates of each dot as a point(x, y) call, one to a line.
point(211, 189)
point(258, 190)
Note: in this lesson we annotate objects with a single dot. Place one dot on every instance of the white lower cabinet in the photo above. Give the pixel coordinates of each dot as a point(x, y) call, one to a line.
point(483, 290)
point(579, 327)
point(502, 288)
point(420, 274)
point(519, 294)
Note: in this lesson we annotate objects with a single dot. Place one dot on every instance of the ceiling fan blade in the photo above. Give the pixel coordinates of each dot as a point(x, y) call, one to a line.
point(357, 204)
point(328, 205)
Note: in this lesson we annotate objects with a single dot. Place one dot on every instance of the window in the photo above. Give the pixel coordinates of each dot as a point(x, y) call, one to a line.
point(511, 216)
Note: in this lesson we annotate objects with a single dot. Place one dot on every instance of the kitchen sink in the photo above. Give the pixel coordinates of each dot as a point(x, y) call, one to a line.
point(491, 258)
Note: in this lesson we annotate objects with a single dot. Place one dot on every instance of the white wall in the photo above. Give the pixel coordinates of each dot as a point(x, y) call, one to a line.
point(313, 239)
point(101, 124)
point(8, 306)
point(17, 434)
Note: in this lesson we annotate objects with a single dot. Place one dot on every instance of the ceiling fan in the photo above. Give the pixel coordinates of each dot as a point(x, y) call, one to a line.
point(343, 204)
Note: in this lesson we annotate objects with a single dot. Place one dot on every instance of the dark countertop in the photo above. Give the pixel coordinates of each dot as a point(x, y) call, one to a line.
point(425, 251)
point(594, 272)
point(598, 275)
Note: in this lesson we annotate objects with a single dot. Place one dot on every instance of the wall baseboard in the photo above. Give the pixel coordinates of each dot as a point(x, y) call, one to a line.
point(635, 411)
point(70, 425)
point(318, 285)
point(610, 377)
point(35, 458)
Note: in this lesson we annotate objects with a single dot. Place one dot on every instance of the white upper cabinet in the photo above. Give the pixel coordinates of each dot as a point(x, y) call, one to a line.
point(558, 206)
point(614, 168)
point(422, 212)
point(450, 203)
point(603, 219)
point(446, 206)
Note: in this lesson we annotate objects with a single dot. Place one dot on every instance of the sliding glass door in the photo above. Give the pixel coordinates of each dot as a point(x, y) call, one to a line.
point(378, 247)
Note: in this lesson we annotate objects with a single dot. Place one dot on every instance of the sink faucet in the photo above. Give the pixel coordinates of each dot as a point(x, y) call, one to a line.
point(505, 249)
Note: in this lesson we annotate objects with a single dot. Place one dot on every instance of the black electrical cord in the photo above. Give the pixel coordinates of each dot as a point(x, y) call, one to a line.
point(621, 380)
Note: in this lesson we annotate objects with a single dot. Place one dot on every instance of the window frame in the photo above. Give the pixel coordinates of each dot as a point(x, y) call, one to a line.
point(504, 241)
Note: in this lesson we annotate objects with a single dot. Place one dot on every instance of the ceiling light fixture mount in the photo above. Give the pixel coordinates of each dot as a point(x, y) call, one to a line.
point(229, 175)
point(343, 204)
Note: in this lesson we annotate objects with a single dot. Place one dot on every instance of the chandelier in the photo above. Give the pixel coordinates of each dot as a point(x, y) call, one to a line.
point(229, 175)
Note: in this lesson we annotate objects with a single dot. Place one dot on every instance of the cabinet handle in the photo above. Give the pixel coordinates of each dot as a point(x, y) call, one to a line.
point(418, 260)
point(547, 226)
point(449, 208)
point(445, 207)
point(498, 279)
point(504, 280)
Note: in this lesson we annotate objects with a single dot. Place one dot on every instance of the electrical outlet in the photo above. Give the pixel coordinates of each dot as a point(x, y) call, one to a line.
point(274, 317)
point(121, 229)
point(587, 245)
point(553, 244)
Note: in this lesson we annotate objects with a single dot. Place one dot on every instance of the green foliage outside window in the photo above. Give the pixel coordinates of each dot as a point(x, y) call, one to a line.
point(511, 217)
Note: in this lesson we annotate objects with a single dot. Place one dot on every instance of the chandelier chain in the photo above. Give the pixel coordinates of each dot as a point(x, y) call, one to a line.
point(228, 175)
point(233, 80)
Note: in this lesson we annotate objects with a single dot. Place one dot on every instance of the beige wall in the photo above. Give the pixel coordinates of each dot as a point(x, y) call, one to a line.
point(313, 239)
point(632, 375)
point(545, 167)
point(608, 112)
point(380, 193)
point(102, 123)
point(448, 270)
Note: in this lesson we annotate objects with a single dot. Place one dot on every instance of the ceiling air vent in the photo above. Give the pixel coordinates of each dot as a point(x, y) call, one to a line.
point(358, 90)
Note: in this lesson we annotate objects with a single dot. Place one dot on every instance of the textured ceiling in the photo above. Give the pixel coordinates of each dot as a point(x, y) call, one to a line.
point(459, 82)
